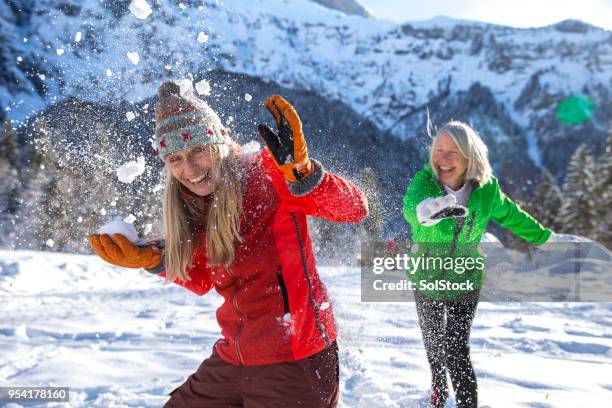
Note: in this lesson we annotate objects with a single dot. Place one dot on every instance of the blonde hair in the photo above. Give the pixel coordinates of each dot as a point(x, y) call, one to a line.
point(222, 217)
point(471, 146)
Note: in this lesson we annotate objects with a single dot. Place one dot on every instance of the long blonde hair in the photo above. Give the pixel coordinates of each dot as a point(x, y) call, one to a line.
point(180, 217)
point(471, 146)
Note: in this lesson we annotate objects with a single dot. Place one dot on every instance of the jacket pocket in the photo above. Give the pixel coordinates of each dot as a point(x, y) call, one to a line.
point(283, 288)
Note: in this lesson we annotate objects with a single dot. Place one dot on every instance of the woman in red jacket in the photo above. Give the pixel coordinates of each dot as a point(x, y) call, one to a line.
point(237, 222)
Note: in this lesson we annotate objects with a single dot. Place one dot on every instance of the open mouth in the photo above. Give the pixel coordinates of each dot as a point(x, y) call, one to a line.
point(202, 179)
point(445, 169)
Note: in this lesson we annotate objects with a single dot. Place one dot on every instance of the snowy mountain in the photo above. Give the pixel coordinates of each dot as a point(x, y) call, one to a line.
point(346, 6)
point(506, 81)
point(119, 338)
point(81, 77)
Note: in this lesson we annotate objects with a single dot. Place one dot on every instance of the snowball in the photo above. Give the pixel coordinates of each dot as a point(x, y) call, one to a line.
point(77, 37)
point(140, 9)
point(324, 306)
point(148, 228)
point(118, 226)
point(202, 38)
point(50, 243)
point(130, 219)
point(134, 57)
point(186, 86)
point(247, 97)
point(130, 116)
point(60, 51)
point(80, 219)
point(109, 72)
point(19, 59)
point(203, 87)
point(103, 212)
point(287, 317)
point(41, 76)
point(250, 149)
point(182, 6)
point(127, 172)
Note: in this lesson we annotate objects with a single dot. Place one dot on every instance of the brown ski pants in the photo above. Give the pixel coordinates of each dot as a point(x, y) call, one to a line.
point(309, 383)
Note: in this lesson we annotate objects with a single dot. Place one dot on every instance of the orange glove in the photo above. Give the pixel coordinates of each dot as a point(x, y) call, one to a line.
point(121, 252)
point(288, 147)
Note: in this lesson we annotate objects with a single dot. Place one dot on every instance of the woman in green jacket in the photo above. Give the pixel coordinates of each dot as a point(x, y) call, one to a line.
point(448, 205)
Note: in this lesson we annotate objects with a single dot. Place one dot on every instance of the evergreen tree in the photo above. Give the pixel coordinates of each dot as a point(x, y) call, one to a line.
point(40, 210)
point(603, 192)
point(546, 201)
point(9, 180)
point(578, 214)
point(9, 183)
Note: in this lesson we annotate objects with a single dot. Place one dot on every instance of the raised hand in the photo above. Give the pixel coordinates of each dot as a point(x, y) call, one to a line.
point(288, 145)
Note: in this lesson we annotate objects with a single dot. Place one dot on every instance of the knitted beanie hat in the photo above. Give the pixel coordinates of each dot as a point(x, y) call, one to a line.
point(184, 121)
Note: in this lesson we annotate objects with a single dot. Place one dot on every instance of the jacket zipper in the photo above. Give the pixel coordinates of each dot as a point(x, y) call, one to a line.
point(241, 316)
point(283, 288)
point(471, 226)
point(313, 302)
point(457, 230)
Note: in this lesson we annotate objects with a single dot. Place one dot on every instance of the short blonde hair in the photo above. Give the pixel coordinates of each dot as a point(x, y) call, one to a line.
point(471, 146)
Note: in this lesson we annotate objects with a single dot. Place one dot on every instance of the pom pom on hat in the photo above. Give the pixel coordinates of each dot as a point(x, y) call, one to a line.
point(169, 88)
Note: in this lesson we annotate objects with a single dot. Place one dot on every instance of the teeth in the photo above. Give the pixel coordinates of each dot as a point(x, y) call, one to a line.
point(196, 181)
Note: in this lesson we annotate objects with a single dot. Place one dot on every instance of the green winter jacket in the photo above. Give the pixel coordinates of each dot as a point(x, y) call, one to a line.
point(447, 241)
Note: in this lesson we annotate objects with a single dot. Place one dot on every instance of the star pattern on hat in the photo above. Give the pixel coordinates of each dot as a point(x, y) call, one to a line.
point(162, 143)
point(186, 137)
point(210, 132)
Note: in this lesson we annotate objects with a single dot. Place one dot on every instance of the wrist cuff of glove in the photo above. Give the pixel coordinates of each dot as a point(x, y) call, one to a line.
point(159, 268)
point(306, 185)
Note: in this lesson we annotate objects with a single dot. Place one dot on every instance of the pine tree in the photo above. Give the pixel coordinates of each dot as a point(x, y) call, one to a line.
point(546, 201)
point(40, 212)
point(578, 214)
point(603, 191)
point(9, 182)
point(8, 143)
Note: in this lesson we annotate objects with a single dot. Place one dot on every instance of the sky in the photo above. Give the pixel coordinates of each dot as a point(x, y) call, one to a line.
point(515, 13)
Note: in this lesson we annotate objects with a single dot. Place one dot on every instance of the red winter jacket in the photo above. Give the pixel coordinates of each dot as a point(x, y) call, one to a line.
point(276, 308)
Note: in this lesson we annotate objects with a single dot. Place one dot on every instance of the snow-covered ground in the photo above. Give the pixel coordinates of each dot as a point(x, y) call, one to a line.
point(119, 338)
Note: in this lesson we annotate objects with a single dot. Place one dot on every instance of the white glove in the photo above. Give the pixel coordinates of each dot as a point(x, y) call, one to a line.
point(429, 207)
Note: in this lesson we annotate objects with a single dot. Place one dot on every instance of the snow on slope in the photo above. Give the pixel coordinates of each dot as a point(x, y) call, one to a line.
point(384, 71)
point(119, 338)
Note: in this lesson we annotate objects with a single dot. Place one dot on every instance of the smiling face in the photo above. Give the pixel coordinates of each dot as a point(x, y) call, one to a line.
point(448, 162)
point(196, 168)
